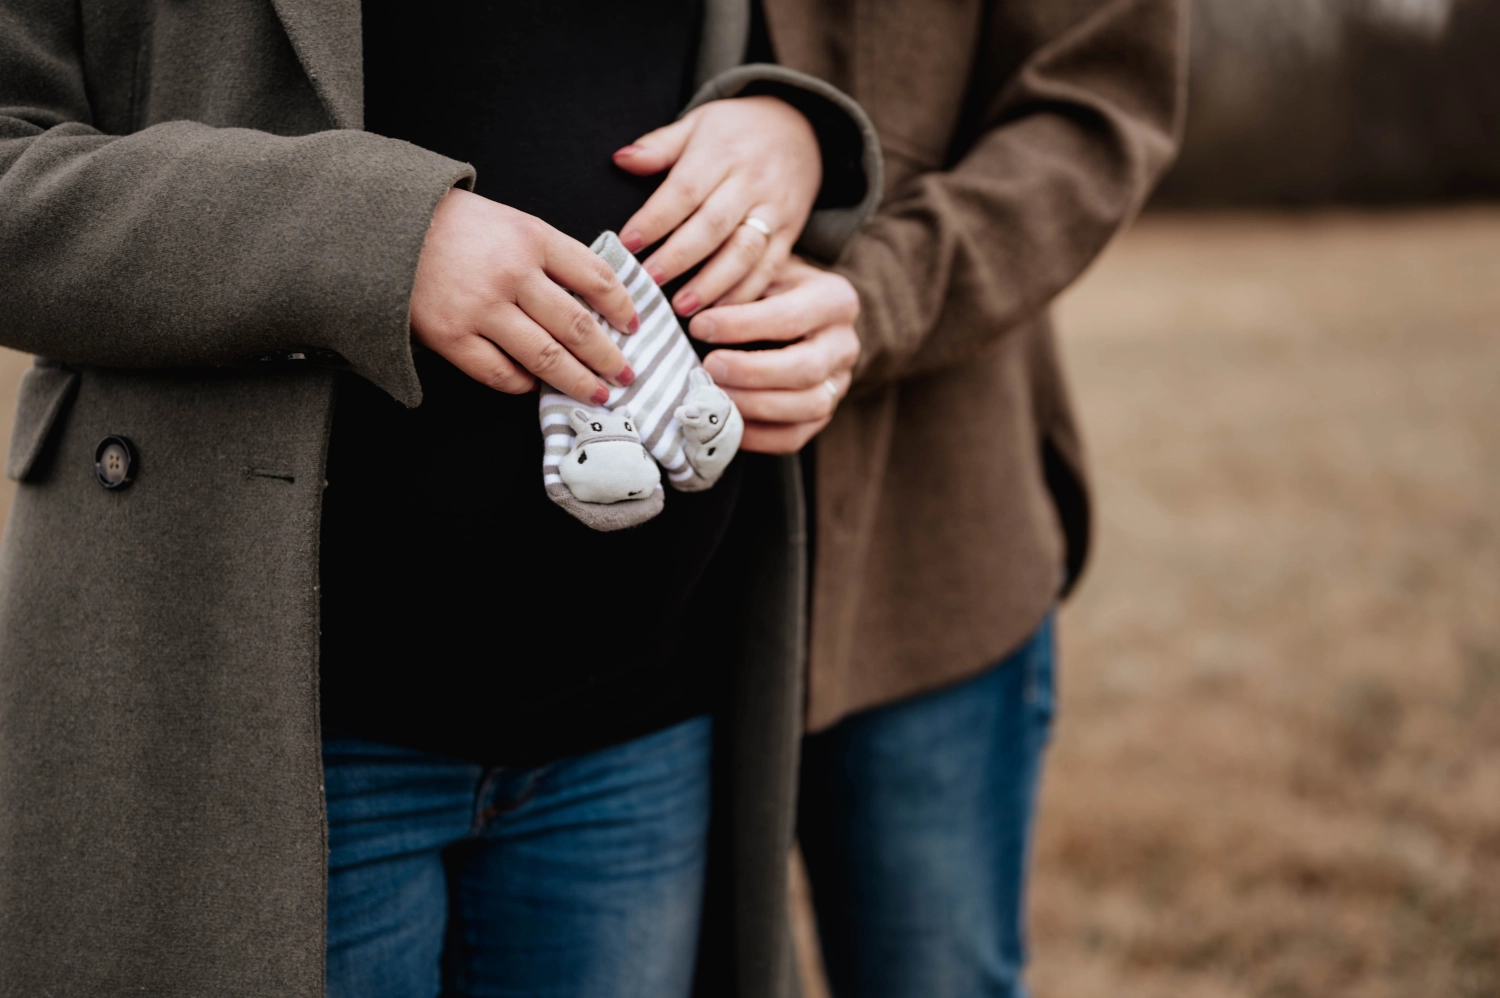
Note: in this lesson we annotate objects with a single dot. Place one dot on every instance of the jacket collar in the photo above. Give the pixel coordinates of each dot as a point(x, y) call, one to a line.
point(326, 37)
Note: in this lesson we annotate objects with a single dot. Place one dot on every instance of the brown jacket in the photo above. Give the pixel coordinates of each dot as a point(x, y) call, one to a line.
point(1019, 137)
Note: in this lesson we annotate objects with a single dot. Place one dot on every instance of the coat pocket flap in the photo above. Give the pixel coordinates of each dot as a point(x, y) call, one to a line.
point(44, 392)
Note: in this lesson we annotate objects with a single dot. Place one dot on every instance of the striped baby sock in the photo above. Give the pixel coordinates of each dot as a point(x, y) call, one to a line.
point(686, 423)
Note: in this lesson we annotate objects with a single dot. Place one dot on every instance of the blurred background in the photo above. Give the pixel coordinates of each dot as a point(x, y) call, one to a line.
point(1277, 768)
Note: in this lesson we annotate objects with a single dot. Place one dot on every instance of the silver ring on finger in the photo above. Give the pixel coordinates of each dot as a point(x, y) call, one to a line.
point(759, 225)
point(833, 388)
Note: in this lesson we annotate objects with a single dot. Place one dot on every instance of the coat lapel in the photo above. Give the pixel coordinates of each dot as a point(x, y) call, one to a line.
point(326, 37)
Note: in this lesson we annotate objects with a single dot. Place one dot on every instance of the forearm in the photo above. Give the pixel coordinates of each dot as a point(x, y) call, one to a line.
point(184, 245)
point(1067, 149)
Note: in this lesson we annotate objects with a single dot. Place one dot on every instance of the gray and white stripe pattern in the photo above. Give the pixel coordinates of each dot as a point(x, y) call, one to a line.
point(662, 357)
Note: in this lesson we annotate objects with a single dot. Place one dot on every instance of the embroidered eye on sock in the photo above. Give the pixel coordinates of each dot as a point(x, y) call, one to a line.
point(678, 418)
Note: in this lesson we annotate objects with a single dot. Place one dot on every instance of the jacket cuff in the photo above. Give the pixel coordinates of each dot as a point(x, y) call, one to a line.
point(853, 170)
point(372, 329)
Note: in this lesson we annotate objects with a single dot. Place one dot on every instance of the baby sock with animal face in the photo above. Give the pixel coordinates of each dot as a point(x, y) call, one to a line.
point(688, 425)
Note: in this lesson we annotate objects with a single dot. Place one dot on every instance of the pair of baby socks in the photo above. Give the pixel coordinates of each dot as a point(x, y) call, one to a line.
point(594, 458)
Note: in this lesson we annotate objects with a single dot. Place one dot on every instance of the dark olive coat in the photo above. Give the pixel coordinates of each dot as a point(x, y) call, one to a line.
point(195, 232)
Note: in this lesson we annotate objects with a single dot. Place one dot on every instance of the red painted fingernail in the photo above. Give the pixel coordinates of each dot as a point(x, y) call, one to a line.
point(635, 324)
point(687, 304)
point(629, 150)
point(600, 396)
point(626, 375)
point(657, 274)
point(633, 241)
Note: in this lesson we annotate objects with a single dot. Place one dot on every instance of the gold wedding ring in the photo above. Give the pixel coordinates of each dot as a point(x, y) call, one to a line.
point(757, 225)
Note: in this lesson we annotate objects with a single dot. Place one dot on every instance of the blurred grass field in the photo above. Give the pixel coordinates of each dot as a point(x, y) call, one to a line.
point(1277, 767)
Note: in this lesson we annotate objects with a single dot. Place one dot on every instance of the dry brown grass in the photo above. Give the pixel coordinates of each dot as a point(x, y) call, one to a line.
point(1277, 772)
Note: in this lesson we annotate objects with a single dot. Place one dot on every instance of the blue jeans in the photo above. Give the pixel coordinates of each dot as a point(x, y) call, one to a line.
point(582, 877)
point(916, 826)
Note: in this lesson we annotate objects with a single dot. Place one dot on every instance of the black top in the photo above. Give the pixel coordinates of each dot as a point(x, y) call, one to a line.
point(464, 612)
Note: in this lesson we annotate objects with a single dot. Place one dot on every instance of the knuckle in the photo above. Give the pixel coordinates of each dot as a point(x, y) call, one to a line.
point(621, 299)
point(847, 298)
point(580, 327)
point(692, 190)
point(503, 380)
point(748, 370)
point(667, 257)
point(533, 230)
point(720, 218)
point(749, 243)
point(599, 280)
point(676, 198)
point(646, 215)
point(549, 357)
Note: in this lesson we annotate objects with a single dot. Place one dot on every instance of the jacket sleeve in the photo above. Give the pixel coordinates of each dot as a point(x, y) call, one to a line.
point(1074, 113)
point(187, 245)
point(852, 162)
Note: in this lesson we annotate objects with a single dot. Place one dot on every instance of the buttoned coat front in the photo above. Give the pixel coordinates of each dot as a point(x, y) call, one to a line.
point(195, 234)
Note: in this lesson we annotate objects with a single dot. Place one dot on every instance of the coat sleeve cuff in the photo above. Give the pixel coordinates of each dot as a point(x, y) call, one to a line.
point(374, 336)
point(853, 170)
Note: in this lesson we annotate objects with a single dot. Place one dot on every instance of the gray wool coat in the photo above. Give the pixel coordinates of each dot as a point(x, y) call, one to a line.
point(194, 235)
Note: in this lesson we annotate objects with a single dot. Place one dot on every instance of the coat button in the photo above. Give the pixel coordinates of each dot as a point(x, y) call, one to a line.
point(115, 462)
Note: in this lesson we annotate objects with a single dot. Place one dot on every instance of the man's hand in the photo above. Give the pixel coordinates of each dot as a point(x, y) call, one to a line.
point(490, 298)
point(746, 157)
point(786, 395)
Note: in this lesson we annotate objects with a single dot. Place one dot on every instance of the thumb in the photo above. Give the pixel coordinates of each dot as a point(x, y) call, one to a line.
point(656, 151)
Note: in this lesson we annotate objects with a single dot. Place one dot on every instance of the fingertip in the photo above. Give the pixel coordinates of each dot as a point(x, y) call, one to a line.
point(703, 327)
point(634, 325)
point(716, 367)
point(638, 160)
point(633, 241)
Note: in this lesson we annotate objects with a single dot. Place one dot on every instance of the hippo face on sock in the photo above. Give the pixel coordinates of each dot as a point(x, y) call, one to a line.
point(711, 427)
point(592, 424)
point(705, 411)
point(608, 463)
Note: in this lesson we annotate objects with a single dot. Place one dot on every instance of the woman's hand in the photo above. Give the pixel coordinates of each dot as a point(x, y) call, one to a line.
point(748, 157)
point(786, 395)
point(489, 297)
